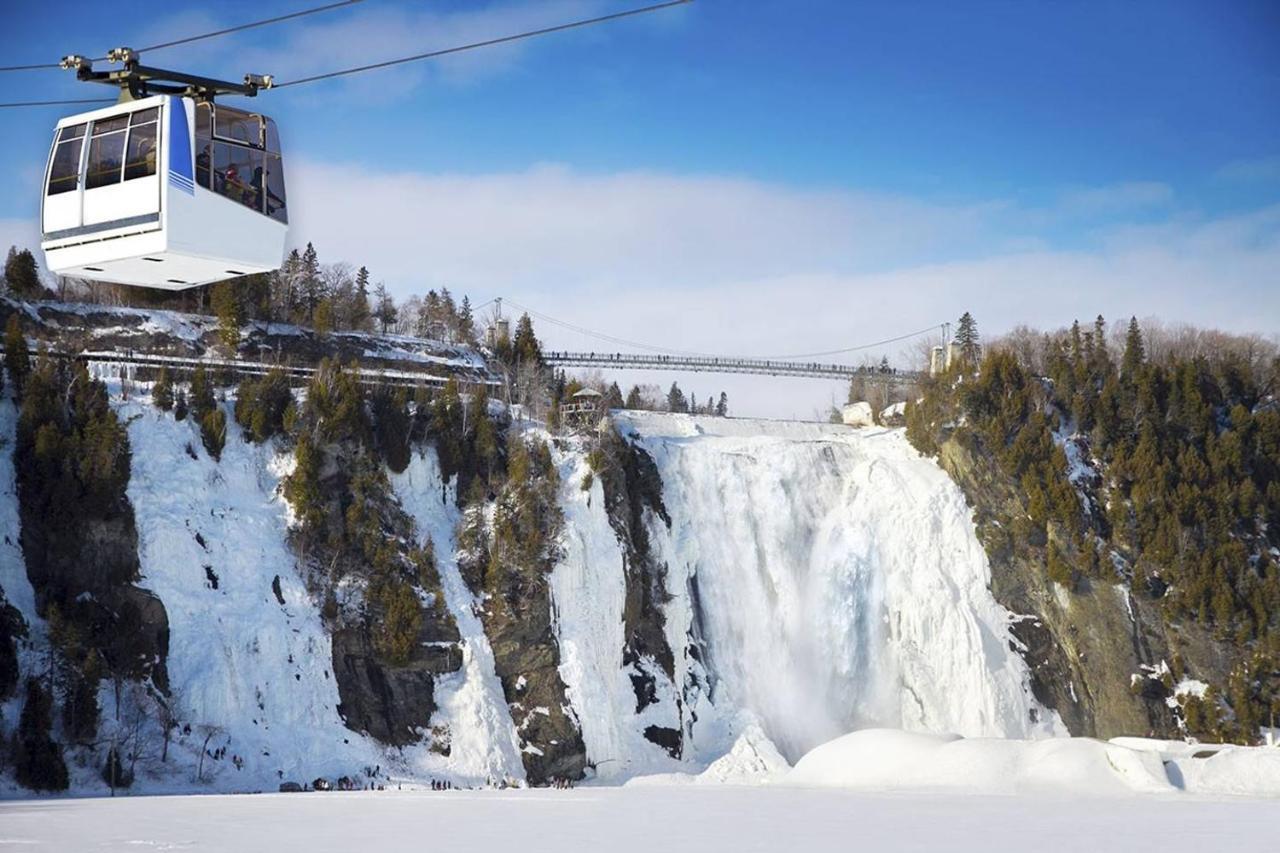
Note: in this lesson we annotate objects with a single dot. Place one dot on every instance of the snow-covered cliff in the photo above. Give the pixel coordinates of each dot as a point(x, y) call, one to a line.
point(817, 579)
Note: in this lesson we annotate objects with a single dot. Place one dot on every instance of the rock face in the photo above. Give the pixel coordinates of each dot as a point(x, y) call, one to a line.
point(392, 703)
point(81, 556)
point(1083, 646)
point(518, 619)
point(632, 487)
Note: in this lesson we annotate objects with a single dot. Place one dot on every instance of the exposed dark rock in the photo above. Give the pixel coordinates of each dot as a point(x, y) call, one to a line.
point(12, 629)
point(668, 739)
point(392, 703)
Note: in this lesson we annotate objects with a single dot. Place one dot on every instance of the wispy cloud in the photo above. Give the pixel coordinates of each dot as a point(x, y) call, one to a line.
point(367, 34)
point(1117, 198)
point(1264, 169)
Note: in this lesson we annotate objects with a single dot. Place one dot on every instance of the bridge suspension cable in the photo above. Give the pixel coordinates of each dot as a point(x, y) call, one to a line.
point(674, 351)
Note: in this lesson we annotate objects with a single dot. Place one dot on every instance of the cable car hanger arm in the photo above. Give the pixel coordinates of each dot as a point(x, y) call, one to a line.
point(138, 81)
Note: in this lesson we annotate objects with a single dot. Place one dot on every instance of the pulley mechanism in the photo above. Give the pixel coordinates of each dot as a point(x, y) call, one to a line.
point(137, 81)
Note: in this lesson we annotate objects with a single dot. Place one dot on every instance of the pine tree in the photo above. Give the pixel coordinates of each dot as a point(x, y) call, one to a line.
point(310, 284)
point(202, 401)
point(322, 319)
point(525, 343)
point(230, 312)
point(213, 432)
point(466, 323)
point(1134, 353)
point(361, 312)
point(180, 406)
point(22, 275)
point(967, 340)
point(722, 405)
point(635, 399)
point(613, 397)
point(302, 487)
point(675, 400)
point(17, 357)
point(385, 307)
point(162, 391)
point(37, 759)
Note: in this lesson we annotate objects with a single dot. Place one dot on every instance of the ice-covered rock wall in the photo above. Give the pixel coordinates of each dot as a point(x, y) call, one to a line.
point(817, 579)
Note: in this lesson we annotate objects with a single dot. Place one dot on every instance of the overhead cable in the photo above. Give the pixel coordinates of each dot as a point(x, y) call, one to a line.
point(251, 25)
point(486, 43)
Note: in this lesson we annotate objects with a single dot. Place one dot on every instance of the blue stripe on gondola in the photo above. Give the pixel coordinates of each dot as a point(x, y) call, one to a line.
point(181, 169)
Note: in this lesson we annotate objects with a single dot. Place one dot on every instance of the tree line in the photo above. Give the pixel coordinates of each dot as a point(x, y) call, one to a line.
point(1177, 470)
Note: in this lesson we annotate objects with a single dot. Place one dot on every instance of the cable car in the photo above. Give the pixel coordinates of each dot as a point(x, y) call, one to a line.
point(165, 191)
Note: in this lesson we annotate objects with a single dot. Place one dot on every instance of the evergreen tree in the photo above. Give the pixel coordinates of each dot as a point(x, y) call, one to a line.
point(302, 487)
point(22, 275)
point(1134, 353)
point(613, 397)
point(675, 400)
point(385, 307)
point(229, 310)
point(162, 391)
point(37, 759)
point(635, 399)
point(361, 312)
point(722, 405)
point(180, 406)
point(967, 340)
point(310, 285)
point(202, 401)
point(322, 319)
point(17, 358)
point(466, 323)
point(213, 432)
point(525, 343)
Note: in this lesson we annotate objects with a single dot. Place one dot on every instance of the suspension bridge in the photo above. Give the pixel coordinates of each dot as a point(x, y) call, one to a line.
point(802, 365)
point(714, 364)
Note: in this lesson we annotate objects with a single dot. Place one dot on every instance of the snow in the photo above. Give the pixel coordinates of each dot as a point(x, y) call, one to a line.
point(840, 585)
point(857, 414)
point(689, 819)
point(484, 745)
point(752, 761)
point(588, 588)
point(885, 759)
point(1244, 771)
point(239, 662)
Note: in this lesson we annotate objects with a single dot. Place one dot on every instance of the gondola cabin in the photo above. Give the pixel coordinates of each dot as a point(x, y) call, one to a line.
point(166, 192)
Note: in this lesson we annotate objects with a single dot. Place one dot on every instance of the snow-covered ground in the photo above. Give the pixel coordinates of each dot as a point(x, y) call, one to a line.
point(640, 820)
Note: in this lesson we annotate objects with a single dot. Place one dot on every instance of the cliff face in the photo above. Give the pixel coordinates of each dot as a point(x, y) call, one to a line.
point(1082, 647)
point(628, 602)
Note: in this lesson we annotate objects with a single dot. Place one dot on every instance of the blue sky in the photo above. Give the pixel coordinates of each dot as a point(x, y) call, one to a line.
point(892, 163)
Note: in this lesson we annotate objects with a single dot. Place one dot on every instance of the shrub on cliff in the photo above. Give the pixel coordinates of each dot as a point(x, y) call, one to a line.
point(262, 405)
point(37, 758)
point(17, 357)
point(162, 391)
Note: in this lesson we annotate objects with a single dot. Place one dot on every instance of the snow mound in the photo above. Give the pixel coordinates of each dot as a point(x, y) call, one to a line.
point(754, 760)
point(857, 414)
point(882, 759)
point(1250, 771)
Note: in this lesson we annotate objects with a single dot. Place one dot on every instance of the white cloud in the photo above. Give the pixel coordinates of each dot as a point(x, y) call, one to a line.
point(1264, 169)
point(729, 265)
point(1117, 198)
